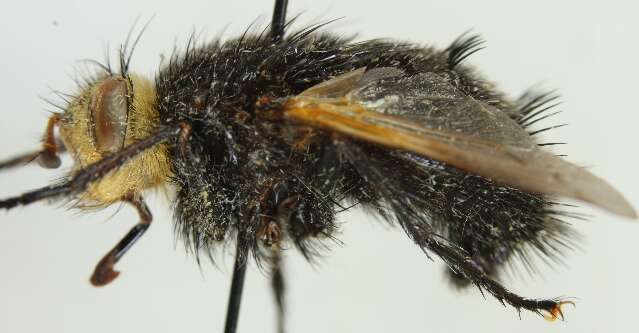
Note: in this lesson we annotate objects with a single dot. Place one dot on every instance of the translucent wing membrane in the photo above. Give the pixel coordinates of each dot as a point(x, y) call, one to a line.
point(427, 115)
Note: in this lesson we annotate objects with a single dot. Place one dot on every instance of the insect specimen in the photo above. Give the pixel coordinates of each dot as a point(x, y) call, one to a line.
point(267, 136)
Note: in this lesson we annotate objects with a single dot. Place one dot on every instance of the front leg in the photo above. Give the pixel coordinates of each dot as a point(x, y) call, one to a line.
point(47, 156)
point(104, 272)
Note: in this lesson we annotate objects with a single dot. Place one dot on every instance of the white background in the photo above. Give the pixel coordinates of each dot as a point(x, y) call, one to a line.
point(378, 281)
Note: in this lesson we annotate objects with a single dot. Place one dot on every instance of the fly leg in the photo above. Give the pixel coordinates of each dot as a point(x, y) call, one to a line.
point(279, 288)
point(104, 272)
point(47, 156)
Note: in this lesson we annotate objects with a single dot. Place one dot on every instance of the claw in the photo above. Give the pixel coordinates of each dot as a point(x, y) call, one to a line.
point(556, 313)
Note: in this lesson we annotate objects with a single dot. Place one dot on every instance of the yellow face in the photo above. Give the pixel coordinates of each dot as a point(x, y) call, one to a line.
point(111, 113)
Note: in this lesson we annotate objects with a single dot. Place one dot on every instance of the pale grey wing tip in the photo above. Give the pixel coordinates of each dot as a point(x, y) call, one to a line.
point(567, 179)
point(615, 203)
point(598, 192)
point(630, 212)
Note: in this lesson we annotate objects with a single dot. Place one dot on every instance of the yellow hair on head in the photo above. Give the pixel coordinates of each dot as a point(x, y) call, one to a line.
point(148, 170)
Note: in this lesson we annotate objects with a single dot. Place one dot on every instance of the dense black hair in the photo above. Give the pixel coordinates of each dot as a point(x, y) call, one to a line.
point(240, 170)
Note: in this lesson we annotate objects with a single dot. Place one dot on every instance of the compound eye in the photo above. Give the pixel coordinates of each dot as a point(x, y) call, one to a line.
point(109, 112)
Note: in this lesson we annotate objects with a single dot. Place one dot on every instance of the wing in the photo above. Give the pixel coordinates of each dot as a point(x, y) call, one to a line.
point(426, 115)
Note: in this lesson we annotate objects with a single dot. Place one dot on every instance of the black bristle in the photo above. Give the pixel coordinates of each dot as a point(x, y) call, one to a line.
point(463, 47)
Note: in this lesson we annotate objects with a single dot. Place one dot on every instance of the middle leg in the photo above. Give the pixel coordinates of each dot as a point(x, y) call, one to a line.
point(279, 288)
